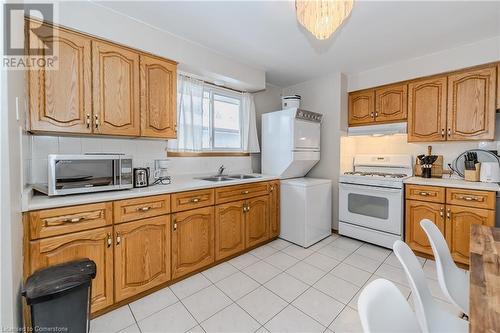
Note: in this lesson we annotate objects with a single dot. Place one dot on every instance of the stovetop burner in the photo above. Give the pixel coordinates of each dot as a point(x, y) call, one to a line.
point(375, 174)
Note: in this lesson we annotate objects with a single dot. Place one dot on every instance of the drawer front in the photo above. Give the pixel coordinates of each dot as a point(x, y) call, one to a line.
point(59, 221)
point(471, 198)
point(240, 192)
point(135, 209)
point(425, 193)
point(192, 199)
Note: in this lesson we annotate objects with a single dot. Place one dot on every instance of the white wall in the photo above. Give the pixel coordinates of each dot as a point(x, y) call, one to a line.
point(326, 95)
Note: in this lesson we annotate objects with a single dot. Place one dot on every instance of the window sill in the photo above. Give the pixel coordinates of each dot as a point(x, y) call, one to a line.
point(205, 154)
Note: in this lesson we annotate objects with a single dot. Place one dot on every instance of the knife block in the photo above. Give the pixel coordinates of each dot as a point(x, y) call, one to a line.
point(473, 175)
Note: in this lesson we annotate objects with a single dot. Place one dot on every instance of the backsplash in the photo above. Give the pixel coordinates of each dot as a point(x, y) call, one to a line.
point(143, 151)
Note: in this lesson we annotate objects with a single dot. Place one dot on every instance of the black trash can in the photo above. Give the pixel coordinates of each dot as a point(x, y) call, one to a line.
point(59, 297)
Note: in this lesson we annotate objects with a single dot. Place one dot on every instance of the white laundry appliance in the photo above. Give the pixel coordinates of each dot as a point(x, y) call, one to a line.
point(290, 148)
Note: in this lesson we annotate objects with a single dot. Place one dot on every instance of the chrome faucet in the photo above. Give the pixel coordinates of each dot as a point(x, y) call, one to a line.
point(221, 170)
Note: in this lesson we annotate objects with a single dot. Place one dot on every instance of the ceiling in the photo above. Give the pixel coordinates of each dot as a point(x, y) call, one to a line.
point(266, 34)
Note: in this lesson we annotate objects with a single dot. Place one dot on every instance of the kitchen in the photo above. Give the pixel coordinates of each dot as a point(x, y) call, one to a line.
point(333, 270)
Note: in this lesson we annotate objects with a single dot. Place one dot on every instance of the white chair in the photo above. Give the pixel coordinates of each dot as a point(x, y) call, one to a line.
point(454, 282)
point(383, 309)
point(431, 317)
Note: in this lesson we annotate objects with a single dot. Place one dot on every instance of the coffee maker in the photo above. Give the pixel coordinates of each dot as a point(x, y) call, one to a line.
point(160, 173)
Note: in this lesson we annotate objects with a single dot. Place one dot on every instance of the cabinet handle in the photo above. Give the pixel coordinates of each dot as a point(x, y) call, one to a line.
point(118, 239)
point(424, 194)
point(144, 209)
point(96, 121)
point(442, 132)
point(74, 219)
point(272, 188)
point(448, 213)
point(376, 114)
point(110, 240)
point(245, 192)
point(467, 198)
point(449, 131)
point(174, 226)
point(372, 115)
point(88, 120)
point(441, 212)
point(195, 200)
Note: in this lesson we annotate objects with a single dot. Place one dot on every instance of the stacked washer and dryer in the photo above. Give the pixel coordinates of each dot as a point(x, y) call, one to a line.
point(290, 148)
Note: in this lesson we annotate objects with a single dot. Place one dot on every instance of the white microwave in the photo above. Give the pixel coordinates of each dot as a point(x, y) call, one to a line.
point(75, 174)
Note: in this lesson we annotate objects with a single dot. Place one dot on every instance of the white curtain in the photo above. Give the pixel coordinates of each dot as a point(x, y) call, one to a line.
point(249, 129)
point(189, 115)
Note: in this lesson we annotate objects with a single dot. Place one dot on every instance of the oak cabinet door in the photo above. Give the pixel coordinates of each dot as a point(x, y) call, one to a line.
point(115, 78)
point(427, 110)
point(229, 229)
point(415, 236)
point(60, 99)
point(192, 240)
point(274, 209)
point(94, 244)
point(471, 105)
point(391, 103)
point(257, 220)
point(361, 107)
point(458, 222)
point(158, 98)
point(142, 255)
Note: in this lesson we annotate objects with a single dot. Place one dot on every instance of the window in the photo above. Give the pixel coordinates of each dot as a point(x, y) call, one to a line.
point(221, 120)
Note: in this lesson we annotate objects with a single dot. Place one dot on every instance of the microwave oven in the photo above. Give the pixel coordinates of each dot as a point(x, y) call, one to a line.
point(75, 174)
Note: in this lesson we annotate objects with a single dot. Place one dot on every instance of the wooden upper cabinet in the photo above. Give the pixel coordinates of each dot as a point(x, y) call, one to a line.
point(427, 110)
point(142, 255)
point(94, 244)
point(274, 209)
point(415, 236)
point(115, 78)
point(60, 99)
point(192, 240)
point(158, 97)
point(391, 103)
point(458, 222)
point(229, 229)
point(471, 104)
point(257, 220)
point(361, 107)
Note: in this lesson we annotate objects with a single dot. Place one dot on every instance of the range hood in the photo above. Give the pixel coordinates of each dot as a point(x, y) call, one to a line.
point(377, 130)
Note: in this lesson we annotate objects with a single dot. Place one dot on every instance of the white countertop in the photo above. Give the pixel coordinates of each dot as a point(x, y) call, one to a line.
point(453, 182)
point(38, 201)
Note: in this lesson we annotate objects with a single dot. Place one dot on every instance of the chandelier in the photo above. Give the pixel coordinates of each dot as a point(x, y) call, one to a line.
point(322, 17)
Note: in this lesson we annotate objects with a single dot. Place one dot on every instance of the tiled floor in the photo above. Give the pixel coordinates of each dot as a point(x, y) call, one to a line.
point(278, 287)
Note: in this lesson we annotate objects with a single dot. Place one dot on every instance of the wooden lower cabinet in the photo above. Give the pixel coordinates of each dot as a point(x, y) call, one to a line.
point(458, 222)
point(142, 255)
point(94, 244)
point(274, 209)
point(257, 220)
point(192, 240)
point(229, 229)
point(415, 236)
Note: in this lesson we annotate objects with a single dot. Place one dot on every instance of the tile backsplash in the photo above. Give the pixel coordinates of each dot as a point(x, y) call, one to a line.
point(143, 151)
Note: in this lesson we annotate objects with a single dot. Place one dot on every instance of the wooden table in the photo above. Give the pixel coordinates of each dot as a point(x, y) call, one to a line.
point(484, 296)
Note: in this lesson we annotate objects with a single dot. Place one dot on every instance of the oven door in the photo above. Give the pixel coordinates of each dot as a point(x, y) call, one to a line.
point(378, 208)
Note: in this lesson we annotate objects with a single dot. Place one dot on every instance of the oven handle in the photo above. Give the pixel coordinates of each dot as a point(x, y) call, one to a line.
point(366, 187)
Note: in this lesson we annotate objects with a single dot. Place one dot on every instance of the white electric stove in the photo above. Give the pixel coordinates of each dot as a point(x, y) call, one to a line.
point(371, 198)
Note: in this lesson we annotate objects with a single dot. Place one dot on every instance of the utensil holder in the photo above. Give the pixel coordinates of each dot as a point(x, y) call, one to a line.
point(426, 170)
point(473, 175)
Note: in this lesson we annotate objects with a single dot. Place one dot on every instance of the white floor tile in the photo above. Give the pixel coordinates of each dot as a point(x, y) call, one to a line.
point(243, 261)
point(335, 252)
point(351, 274)
point(131, 329)
point(219, 272)
point(190, 285)
point(347, 322)
point(262, 329)
point(337, 288)
point(281, 260)
point(279, 244)
point(373, 252)
point(394, 261)
point(293, 320)
point(321, 243)
point(347, 243)
point(262, 304)
point(261, 271)
point(196, 329)
point(206, 302)
point(150, 304)
point(297, 252)
point(113, 321)
point(263, 251)
point(362, 262)
point(237, 285)
point(319, 306)
point(286, 286)
point(174, 318)
point(430, 269)
point(231, 319)
point(392, 273)
point(305, 272)
point(325, 263)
